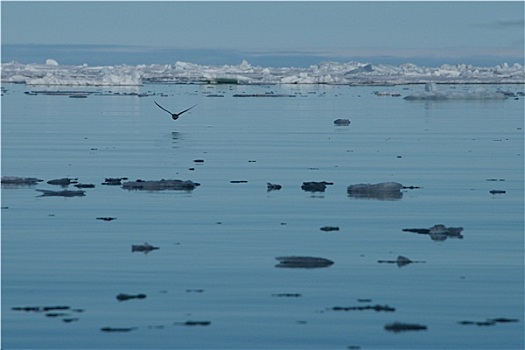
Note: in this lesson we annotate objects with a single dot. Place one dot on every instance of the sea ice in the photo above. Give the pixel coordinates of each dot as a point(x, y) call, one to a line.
point(350, 73)
point(160, 185)
point(381, 191)
point(431, 93)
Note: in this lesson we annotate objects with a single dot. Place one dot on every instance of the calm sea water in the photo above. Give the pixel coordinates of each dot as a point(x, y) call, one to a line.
point(218, 243)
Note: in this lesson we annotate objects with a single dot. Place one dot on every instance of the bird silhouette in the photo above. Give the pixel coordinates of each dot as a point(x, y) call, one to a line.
point(174, 116)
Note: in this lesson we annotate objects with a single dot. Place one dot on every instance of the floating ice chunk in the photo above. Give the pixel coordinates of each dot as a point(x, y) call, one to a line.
point(382, 191)
point(65, 193)
point(304, 262)
point(342, 122)
point(123, 296)
point(431, 93)
point(273, 187)
point(51, 62)
point(63, 181)
point(400, 261)
point(113, 329)
point(14, 181)
point(438, 232)
point(397, 327)
point(145, 248)
point(313, 186)
point(160, 185)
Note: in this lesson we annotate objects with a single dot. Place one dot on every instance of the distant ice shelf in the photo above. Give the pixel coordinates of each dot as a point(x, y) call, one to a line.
point(351, 73)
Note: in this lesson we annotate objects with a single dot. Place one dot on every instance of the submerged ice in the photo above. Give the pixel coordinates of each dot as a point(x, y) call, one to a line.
point(351, 73)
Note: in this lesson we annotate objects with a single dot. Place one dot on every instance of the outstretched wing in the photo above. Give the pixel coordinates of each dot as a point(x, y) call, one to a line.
point(185, 110)
point(164, 109)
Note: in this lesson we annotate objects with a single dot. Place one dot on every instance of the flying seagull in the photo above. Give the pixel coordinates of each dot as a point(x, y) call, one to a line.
point(174, 116)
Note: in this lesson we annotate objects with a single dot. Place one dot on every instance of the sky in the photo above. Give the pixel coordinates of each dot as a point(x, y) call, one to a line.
point(340, 28)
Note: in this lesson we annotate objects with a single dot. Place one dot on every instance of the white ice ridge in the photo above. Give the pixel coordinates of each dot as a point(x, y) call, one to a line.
point(351, 73)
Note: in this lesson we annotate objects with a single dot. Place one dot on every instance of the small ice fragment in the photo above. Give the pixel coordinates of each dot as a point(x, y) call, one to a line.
point(397, 327)
point(65, 193)
point(160, 185)
point(146, 248)
point(305, 262)
point(273, 187)
point(123, 297)
point(342, 122)
point(382, 191)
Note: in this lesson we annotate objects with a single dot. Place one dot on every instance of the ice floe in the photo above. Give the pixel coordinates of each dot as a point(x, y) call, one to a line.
point(160, 185)
point(381, 191)
point(438, 232)
point(146, 248)
point(14, 181)
point(304, 262)
point(64, 193)
point(350, 73)
point(431, 93)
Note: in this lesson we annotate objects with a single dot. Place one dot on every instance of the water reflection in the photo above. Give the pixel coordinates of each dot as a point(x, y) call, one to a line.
point(382, 196)
point(175, 138)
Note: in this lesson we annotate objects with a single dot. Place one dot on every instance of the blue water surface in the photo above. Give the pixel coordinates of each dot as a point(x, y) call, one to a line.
point(218, 243)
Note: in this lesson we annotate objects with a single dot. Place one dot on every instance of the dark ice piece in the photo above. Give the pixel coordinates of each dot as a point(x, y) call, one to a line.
point(63, 181)
point(504, 320)
point(197, 323)
point(342, 122)
point(84, 186)
point(400, 261)
point(438, 232)
point(106, 218)
point(113, 329)
point(329, 228)
point(19, 181)
point(39, 308)
point(314, 186)
point(114, 181)
point(489, 322)
point(287, 295)
point(56, 314)
point(305, 262)
point(65, 193)
point(26, 308)
point(273, 187)
point(263, 95)
point(381, 191)
point(123, 297)
point(422, 231)
point(377, 308)
point(397, 327)
point(146, 248)
point(160, 185)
